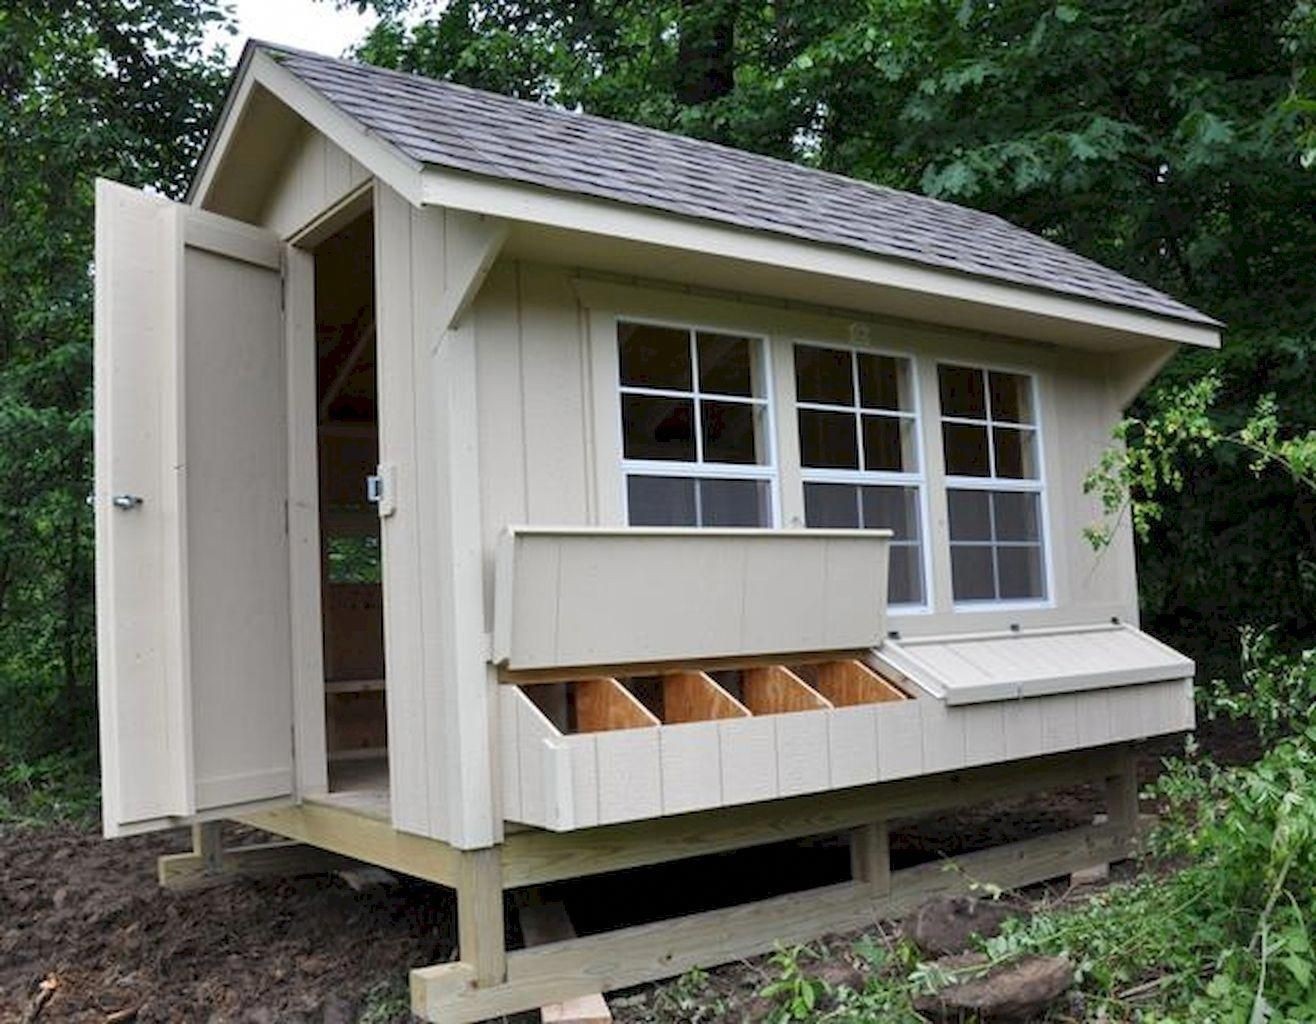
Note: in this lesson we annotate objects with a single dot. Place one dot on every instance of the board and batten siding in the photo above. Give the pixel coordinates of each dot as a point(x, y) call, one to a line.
point(315, 176)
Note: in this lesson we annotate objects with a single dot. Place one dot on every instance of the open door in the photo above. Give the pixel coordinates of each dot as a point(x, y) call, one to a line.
point(193, 634)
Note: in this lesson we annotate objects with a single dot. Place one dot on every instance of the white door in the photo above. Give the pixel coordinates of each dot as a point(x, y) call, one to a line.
point(192, 571)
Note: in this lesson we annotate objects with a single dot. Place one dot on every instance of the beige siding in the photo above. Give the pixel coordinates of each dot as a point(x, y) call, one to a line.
point(315, 175)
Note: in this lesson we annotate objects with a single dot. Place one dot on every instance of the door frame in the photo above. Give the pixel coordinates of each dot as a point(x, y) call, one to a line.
point(310, 750)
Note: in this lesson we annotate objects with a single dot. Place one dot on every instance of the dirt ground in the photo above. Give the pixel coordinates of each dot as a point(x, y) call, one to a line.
point(87, 917)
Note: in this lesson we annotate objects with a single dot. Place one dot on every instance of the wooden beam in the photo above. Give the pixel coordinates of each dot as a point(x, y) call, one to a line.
point(471, 244)
point(870, 857)
point(481, 937)
point(363, 338)
point(533, 857)
point(547, 923)
point(363, 838)
point(564, 674)
point(634, 956)
point(259, 860)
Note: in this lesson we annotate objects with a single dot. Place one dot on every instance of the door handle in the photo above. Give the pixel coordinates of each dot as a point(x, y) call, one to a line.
point(126, 501)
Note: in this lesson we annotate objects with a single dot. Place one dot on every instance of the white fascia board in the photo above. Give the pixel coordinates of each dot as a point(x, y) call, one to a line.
point(517, 201)
point(386, 162)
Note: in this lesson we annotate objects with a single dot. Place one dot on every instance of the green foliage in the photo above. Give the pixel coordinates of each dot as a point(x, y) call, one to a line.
point(59, 786)
point(87, 87)
point(796, 993)
point(1278, 691)
point(388, 1002)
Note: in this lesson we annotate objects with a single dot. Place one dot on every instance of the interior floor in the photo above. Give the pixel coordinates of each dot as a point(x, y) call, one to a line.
point(359, 785)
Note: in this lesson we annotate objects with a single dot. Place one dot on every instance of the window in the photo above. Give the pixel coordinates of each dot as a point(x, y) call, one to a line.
point(695, 430)
point(993, 485)
point(859, 453)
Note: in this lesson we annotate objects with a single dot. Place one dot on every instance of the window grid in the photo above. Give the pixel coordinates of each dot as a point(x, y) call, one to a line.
point(699, 469)
point(861, 477)
point(998, 484)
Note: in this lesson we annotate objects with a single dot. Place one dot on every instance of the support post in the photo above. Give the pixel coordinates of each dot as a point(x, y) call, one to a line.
point(870, 857)
point(481, 939)
point(208, 844)
point(1122, 794)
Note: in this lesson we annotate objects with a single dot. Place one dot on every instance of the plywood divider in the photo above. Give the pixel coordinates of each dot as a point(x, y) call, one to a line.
point(696, 697)
point(775, 689)
point(847, 683)
point(604, 705)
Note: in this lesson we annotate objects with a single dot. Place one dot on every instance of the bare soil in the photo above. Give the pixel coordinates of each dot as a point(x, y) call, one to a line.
point(86, 916)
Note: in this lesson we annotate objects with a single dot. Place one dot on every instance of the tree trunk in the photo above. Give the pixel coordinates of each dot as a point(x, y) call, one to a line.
point(705, 58)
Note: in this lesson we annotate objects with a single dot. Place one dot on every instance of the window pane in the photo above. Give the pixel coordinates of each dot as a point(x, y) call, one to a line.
point(734, 503)
point(827, 440)
point(971, 573)
point(654, 357)
point(660, 501)
point(823, 375)
point(1012, 397)
point(966, 449)
point(726, 364)
point(729, 431)
point(831, 506)
point(962, 392)
point(889, 444)
point(884, 382)
point(1015, 458)
point(970, 515)
point(1020, 573)
point(658, 428)
point(1016, 516)
point(892, 508)
point(905, 583)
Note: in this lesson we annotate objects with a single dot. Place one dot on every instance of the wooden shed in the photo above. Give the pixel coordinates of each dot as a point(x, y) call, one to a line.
point(500, 495)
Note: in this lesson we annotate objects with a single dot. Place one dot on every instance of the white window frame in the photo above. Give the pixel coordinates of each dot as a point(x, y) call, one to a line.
point(995, 484)
point(699, 469)
point(877, 477)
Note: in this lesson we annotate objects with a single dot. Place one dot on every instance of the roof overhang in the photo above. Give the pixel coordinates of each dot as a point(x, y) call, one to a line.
point(265, 102)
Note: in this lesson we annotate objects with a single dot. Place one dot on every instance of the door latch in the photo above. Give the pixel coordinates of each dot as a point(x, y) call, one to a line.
point(381, 490)
point(126, 501)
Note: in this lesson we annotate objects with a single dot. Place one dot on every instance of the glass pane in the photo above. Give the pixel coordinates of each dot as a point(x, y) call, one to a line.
point(823, 375)
point(658, 428)
point(905, 583)
point(1012, 397)
point(831, 506)
point(970, 515)
point(884, 383)
point(654, 357)
point(971, 573)
point(660, 501)
point(966, 449)
point(730, 431)
point(1015, 458)
point(1016, 516)
point(892, 508)
point(889, 444)
point(1020, 573)
point(962, 392)
point(734, 503)
point(726, 364)
point(827, 440)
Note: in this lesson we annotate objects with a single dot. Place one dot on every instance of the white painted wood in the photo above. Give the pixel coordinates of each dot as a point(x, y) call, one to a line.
point(749, 760)
point(190, 393)
point(900, 741)
point(304, 525)
point(852, 745)
point(691, 767)
point(944, 747)
point(705, 593)
point(584, 781)
point(969, 668)
point(472, 243)
point(630, 774)
point(984, 732)
point(1059, 722)
point(510, 751)
point(1023, 729)
point(803, 765)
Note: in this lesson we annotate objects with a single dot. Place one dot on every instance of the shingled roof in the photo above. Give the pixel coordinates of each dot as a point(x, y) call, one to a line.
point(451, 126)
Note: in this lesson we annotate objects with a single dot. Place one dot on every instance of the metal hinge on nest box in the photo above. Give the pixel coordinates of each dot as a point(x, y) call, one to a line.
point(381, 490)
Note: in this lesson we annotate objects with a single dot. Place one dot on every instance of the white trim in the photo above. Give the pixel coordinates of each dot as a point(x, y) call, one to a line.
point(537, 205)
point(994, 484)
point(699, 469)
point(878, 477)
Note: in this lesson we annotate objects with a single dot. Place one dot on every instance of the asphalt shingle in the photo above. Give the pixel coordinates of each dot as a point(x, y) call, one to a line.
point(452, 126)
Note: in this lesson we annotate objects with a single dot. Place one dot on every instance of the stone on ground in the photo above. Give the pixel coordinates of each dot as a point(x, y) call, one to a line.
point(1017, 991)
point(947, 925)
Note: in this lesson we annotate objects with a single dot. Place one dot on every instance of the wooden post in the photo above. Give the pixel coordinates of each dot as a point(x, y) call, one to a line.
point(1122, 794)
point(208, 844)
point(870, 857)
point(481, 941)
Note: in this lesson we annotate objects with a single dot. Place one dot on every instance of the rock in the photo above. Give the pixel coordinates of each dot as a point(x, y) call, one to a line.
point(1017, 991)
point(947, 925)
point(338, 1010)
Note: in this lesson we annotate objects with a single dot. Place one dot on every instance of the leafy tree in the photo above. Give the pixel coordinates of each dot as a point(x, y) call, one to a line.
point(87, 87)
point(1169, 139)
